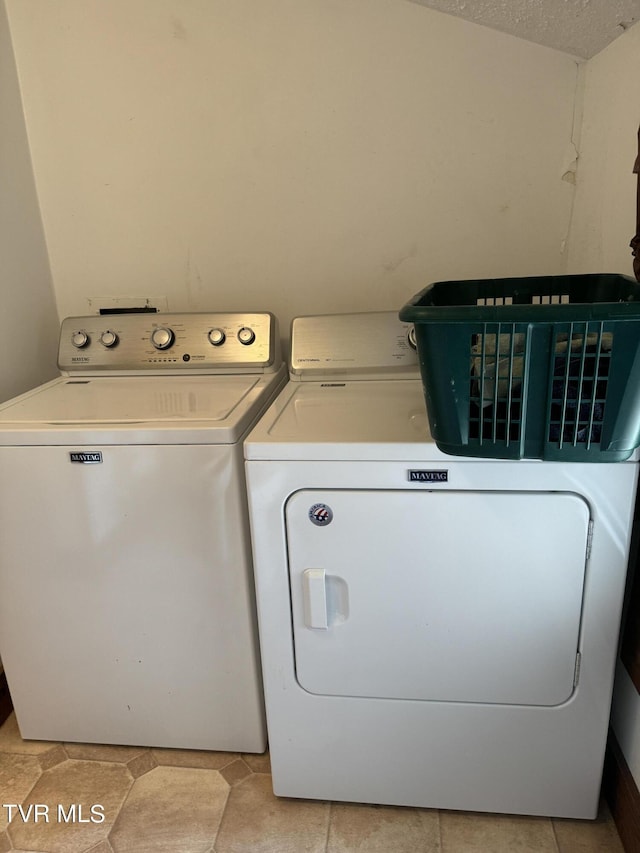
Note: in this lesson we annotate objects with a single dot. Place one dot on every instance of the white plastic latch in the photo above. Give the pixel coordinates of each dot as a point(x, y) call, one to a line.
point(315, 598)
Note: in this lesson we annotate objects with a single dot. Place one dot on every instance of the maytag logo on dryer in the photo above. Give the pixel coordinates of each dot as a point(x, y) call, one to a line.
point(85, 458)
point(420, 476)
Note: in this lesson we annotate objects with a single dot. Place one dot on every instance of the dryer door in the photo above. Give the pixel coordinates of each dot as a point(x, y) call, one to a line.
point(449, 596)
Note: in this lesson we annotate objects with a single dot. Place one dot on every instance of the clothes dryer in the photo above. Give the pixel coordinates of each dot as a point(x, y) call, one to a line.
point(127, 609)
point(436, 631)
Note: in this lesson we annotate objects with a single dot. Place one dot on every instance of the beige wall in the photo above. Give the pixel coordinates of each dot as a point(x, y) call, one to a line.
point(295, 155)
point(603, 223)
point(28, 318)
point(605, 204)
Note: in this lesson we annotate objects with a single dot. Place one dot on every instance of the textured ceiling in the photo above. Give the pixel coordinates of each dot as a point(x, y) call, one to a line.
point(579, 27)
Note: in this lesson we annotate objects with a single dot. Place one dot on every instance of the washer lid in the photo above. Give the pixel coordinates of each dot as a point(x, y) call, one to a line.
point(224, 406)
point(131, 400)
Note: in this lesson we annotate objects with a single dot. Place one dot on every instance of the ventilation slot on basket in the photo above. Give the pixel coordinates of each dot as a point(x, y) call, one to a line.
point(579, 384)
point(556, 299)
point(496, 398)
point(494, 300)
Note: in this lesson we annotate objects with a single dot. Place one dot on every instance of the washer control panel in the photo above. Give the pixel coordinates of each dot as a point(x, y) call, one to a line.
point(225, 342)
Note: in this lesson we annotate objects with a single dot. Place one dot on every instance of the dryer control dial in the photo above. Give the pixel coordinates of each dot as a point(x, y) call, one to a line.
point(108, 338)
point(162, 337)
point(80, 339)
point(246, 336)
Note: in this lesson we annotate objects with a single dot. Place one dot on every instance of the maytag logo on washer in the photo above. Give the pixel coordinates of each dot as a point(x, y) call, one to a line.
point(321, 515)
point(417, 476)
point(86, 458)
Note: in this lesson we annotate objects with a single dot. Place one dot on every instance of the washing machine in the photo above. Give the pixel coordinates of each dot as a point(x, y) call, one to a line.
point(436, 631)
point(127, 606)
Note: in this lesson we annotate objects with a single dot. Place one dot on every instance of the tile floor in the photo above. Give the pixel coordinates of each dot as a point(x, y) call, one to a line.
point(174, 801)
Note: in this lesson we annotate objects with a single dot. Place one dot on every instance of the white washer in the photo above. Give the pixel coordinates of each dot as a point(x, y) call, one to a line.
point(436, 631)
point(127, 608)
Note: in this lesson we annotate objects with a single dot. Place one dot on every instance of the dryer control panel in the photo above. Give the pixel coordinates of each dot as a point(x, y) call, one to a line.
point(367, 345)
point(168, 343)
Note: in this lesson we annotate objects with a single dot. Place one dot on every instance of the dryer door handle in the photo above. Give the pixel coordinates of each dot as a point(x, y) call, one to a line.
point(314, 591)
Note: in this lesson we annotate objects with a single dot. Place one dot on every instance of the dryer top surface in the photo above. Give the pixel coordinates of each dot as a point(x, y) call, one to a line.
point(380, 419)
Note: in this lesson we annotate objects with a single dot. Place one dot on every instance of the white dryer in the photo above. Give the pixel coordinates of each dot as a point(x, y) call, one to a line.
point(127, 608)
point(436, 631)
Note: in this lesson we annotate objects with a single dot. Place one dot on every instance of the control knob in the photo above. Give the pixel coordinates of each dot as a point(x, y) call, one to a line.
point(162, 337)
point(246, 335)
point(108, 338)
point(80, 339)
point(216, 337)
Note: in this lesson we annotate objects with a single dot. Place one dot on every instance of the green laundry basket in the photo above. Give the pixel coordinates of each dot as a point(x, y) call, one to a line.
point(531, 368)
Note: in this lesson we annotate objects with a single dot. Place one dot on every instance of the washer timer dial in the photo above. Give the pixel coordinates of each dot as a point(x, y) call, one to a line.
point(162, 337)
point(246, 335)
